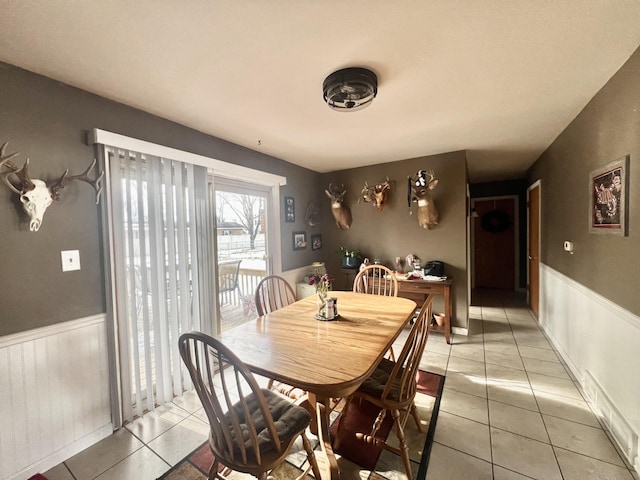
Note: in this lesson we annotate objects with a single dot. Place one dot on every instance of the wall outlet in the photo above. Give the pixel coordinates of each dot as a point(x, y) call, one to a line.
point(70, 260)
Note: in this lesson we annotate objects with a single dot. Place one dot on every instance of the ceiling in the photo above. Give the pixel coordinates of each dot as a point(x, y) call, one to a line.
point(499, 79)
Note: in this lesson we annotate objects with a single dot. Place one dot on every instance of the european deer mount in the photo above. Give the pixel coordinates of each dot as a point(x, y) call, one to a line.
point(34, 194)
point(418, 191)
point(340, 212)
point(376, 195)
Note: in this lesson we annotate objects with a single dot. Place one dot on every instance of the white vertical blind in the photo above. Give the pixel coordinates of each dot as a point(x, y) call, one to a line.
point(159, 255)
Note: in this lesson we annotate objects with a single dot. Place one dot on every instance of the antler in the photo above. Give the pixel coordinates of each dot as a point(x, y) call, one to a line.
point(83, 177)
point(21, 173)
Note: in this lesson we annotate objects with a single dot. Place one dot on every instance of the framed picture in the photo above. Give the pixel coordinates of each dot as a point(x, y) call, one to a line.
point(289, 210)
point(299, 240)
point(316, 242)
point(609, 195)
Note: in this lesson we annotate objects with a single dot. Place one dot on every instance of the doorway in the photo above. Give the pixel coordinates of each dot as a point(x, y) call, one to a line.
point(495, 249)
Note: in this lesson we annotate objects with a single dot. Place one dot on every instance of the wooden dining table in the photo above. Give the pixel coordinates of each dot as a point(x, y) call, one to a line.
point(328, 359)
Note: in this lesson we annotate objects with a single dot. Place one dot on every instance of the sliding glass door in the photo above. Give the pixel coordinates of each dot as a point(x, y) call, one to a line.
point(242, 213)
point(187, 245)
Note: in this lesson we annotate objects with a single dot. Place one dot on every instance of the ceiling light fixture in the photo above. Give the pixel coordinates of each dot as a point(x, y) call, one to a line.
point(350, 89)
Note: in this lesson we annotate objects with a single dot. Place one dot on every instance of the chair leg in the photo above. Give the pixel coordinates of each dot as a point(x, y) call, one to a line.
point(311, 456)
point(416, 417)
point(404, 449)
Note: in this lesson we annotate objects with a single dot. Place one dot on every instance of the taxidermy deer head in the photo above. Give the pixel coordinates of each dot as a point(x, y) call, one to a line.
point(418, 191)
point(376, 195)
point(340, 212)
point(34, 194)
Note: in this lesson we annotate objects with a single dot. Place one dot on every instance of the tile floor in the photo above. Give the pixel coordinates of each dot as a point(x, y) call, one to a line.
point(510, 410)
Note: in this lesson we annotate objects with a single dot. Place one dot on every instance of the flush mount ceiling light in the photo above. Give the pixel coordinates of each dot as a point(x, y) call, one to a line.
point(350, 89)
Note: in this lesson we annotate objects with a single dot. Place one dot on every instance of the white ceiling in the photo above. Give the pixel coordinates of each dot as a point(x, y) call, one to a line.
point(499, 79)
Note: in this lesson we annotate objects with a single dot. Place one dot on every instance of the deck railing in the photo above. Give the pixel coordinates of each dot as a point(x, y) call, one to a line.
point(248, 279)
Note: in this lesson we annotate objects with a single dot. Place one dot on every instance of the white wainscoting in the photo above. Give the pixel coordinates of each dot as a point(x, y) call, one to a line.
point(54, 395)
point(601, 344)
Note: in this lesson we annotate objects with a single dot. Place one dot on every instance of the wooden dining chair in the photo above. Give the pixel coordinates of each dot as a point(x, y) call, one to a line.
point(392, 387)
point(272, 293)
point(376, 280)
point(252, 429)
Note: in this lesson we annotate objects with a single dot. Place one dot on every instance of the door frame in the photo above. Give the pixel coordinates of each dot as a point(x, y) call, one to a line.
point(537, 184)
point(516, 236)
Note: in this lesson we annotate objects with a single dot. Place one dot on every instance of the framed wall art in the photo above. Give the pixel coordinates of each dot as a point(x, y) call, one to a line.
point(609, 196)
point(299, 240)
point(289, 209)
point(316, 242)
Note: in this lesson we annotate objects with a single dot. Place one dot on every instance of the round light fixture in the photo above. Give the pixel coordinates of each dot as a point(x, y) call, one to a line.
point(350, 89)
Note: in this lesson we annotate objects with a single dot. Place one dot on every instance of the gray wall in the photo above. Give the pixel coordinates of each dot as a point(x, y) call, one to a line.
point(48, 122)
point(393, 232)
point(607, 129)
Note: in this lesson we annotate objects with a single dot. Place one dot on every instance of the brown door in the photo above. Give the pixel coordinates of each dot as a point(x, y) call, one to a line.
point(533, 206)
point(494, 243)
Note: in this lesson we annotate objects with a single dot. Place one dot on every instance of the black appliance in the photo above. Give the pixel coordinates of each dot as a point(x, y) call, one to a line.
point(435, 268)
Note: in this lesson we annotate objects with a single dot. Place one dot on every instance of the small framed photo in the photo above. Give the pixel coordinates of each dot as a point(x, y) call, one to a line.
point(289, 210)
point(299, 240)
point(316, 242)
point(609, 196)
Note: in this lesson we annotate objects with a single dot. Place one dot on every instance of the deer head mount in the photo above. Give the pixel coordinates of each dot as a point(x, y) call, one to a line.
point(340, 212)
point(376, 195)
point(418, 191)
point(34, 194)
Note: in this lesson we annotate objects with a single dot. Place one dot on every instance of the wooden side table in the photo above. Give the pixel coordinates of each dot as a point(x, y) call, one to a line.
point(348, 276)
point(418, 290)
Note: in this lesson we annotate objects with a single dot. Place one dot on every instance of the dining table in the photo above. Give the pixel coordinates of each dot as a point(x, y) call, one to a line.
point(327, 359)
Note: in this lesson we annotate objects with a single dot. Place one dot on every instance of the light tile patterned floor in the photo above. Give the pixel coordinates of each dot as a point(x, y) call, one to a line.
point(510, 410)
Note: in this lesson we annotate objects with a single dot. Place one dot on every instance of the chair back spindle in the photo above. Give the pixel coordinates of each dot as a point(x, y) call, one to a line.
point(376, 280)
point(272, 293)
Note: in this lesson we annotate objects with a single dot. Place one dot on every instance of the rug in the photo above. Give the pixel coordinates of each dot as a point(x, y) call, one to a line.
point(357, 460)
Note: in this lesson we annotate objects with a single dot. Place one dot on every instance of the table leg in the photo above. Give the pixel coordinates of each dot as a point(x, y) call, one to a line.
point(321, 424)
point(447, 314)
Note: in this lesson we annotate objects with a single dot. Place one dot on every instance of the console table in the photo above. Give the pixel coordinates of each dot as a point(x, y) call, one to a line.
point(418, 290)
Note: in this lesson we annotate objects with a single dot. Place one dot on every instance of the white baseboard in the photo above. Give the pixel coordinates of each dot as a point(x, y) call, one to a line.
point(67, 365)
point(64, 453)
point(599, 341)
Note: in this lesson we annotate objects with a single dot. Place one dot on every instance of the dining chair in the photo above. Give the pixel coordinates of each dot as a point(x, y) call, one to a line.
point(273, 292)
point(376, 280)
point(251, 429)
point(392, 387)
point(228, 273)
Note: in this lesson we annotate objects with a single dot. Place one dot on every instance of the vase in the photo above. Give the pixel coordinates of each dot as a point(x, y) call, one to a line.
point(322, 304)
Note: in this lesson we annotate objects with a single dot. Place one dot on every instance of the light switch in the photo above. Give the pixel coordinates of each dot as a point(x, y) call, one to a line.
point(70, 260)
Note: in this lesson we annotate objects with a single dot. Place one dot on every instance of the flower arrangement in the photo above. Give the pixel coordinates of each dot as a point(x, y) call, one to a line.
point(322, 284)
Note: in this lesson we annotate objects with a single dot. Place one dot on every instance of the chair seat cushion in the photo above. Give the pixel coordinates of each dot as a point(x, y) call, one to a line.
point(375, 384)
point(289, 420)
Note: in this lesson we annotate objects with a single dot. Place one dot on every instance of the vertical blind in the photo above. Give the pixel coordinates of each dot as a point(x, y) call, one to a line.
point(162, 259)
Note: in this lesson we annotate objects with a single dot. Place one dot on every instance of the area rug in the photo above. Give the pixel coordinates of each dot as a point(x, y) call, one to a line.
point(356, 459)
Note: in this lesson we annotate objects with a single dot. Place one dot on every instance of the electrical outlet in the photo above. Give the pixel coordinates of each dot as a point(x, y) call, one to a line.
point(70, 260)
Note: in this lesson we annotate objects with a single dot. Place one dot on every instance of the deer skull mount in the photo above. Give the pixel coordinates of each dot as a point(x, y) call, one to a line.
point(340, 212)
point(35, 195)
point(418, 191)
point(377, 195)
